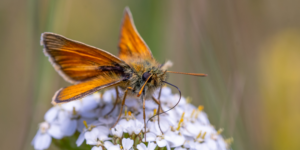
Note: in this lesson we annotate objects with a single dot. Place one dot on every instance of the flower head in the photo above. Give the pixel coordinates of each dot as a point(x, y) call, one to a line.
point(184, 127)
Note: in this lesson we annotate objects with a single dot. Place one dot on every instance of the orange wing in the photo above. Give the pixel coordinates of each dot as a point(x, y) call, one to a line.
point(90, 68)
point(80, 90)
point(77, 62)
point(131, 44)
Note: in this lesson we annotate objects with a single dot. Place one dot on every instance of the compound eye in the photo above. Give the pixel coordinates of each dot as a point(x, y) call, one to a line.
point(146, 76)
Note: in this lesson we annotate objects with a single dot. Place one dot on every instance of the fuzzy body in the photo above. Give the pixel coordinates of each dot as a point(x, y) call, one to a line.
point(136, 81)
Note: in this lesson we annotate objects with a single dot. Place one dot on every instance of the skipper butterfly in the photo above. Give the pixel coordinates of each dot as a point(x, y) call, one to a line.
point(91, 69)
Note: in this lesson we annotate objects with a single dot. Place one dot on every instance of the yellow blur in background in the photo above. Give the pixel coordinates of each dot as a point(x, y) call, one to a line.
point(280, 89)
point(250, 50)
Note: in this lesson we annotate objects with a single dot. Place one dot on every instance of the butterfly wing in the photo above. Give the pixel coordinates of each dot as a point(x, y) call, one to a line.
point(77, 62)
point(131, 44)
point(82, 89)
point(89, 68)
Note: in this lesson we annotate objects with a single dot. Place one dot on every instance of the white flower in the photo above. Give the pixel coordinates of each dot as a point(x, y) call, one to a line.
point(131, 126)
point(142, 146)
point(168, 139)
point(196, 145)
point(127, 143)
point(179, 148)
point(97, 148)
point(52, 114)
point(117, 131)
point(184, 127)
point(110, 146)
point(42, 138)
point(68, 124)
point(74, 113)
point(97, 136)
point(88, 128)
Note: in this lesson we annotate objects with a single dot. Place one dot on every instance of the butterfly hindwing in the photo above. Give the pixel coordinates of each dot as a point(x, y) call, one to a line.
point(131, 44)
point(80, 90)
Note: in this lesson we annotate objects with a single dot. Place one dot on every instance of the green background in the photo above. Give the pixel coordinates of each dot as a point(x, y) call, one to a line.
point(250, 49)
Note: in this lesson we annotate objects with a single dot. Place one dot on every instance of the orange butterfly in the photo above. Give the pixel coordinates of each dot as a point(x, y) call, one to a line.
point(91, 69)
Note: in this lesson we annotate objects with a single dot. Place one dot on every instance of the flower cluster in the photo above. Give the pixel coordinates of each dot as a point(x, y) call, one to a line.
point(91, 118)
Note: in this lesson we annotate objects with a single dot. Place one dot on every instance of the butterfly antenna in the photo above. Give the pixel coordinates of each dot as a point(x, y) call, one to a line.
point(192, 74)
point(173, 106)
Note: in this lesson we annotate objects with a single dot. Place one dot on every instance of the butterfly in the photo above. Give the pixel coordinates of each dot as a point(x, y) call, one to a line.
point(91, 69)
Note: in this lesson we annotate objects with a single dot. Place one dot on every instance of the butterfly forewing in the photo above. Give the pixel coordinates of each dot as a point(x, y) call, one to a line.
point(77, 62)
point(131, 44)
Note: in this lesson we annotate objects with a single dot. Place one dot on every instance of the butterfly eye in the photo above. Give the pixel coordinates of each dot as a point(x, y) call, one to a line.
point(146, 76)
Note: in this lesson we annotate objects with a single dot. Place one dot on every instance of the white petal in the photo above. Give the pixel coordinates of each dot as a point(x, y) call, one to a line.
point(127, 143)
point(103, 137)
point(150, 136)
point(88, 103)
point(69, 127)
point(221, 143)
point(161, 142)
point(142, 146)
point(91, 136)
point(124, 123)
point(108, 144)
point(202, 117)
point(43, 141)
point(109, 96)
point(150, 104)
point(80, 139)
point(55, 131)
point(151, 146)
point(212, 144)
point(175, 139)
point(131, 102)
point(114, 147)
point(107, 109)
point(37, 135)
point(89, 114)
point(107, 121)
point(71, 105)
point(179, 148)
point(117, 131)
point(102, 130)
point(62, 116)
point(51, 114)
point(97, 148)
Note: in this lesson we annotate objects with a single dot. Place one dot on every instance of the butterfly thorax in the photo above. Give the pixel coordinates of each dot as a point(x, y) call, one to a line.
point(140, 71)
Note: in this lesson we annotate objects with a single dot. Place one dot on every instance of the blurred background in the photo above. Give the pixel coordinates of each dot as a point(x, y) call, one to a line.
point(250, 49)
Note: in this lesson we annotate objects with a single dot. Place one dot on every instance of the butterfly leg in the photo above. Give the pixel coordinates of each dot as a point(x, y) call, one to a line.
point(157, 101)
point(116, 102)
point(158, 112)
point(123, 103)
point(144, 114)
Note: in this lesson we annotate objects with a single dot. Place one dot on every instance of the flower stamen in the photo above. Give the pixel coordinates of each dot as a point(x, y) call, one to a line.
point(180, 121)
point(220, 131)
point(203, 136)
point(85, 124)
point(154, 111)
point(199, 135)
point(193, 112)
point(74, 111)
point(229, 141)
